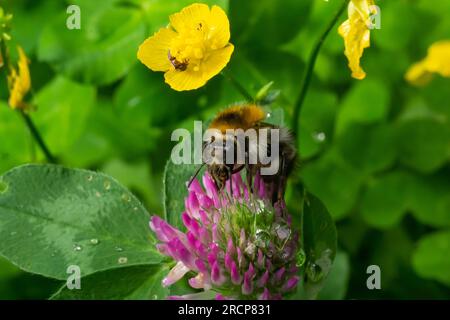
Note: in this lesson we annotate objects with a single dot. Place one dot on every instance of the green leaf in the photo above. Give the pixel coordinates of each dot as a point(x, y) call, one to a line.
point(139, 178)
point(431, 259)
point(320, 245)
point(430, 199)
point(423, 142)
point(368, 148)
point(176, 176)
point(335, 287)
point(130, 283)
point(386, 199)
point(27, 15)
point(258, 21)
point(334, 181)
point(366, 102)
point(317, 121)
point(102, 51)
point(52, 217)
point(62, 117)
point(15, 146)
point(143, 99)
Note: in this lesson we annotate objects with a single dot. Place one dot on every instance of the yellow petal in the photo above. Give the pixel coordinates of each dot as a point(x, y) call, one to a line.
point(356, 39)
point(190, 17)
point(191, 78)
point(154, 51)
point(19, 82)
point(438, 59)
point(185, 80)
point(219, 22)
point(24, 72)
point(356, 34)
point(217, 61)
point(418, 74)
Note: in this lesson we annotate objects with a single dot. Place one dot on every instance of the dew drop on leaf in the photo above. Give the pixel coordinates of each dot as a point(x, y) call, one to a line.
point(122, 260)
point(314, 272)
point(119, 249)
point(94, 241)
point(90, 178)
point(107, 184)
point(13, 233)
point(77, 247)
point(126, 197)
point(3, 187)
point(319, 136)
point(300, 258)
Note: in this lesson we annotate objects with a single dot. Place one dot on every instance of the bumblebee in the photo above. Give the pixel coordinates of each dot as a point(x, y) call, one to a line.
point(244, 118)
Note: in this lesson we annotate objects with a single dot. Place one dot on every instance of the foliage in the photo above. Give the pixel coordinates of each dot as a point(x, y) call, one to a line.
point(375, 152)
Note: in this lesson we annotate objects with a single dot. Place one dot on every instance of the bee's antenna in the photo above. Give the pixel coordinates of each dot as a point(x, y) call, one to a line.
point(195, 175)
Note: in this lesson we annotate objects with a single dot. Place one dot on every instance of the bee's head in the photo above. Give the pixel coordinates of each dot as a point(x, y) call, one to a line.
point(220, 173)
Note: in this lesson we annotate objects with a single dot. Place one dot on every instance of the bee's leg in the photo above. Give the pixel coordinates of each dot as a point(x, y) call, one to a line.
point(282, 178)
point(249, 173)
point(230, 174)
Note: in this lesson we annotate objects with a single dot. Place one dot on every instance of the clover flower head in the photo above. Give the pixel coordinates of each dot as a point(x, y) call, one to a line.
point(356, 33)
point(192, 49)
point(19, 82)
point(436, 61)
point(237, 244)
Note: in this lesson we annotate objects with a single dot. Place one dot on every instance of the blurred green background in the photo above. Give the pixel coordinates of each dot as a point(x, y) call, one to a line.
point(375, 151)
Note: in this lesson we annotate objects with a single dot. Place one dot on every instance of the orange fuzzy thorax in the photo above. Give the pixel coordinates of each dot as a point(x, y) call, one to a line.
point(239, 117)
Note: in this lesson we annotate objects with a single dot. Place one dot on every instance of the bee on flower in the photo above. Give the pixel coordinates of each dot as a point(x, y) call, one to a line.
point(437, 61)
point(238, 245)
point(192, 49)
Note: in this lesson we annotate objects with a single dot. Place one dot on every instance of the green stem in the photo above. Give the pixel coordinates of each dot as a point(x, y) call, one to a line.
point(240, 88)
point(310, 68)
point(37, 136)
point(27, 119)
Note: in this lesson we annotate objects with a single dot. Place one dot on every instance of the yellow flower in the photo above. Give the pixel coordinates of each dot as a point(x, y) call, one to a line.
point(192, 49)
point(356, 33)
point(19, 82)
point(437, 61)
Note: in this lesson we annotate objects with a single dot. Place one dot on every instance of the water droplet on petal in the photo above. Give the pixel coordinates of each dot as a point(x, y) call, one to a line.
point(122, 260)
